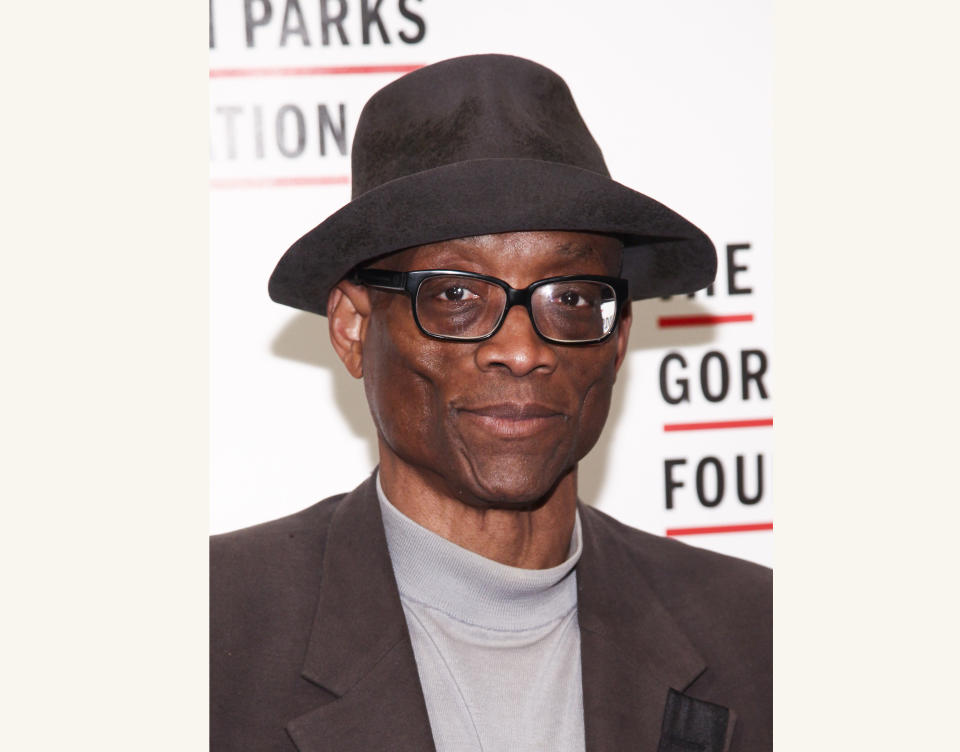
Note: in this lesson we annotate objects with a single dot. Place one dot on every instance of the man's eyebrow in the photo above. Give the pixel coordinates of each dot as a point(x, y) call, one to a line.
point(576, 249)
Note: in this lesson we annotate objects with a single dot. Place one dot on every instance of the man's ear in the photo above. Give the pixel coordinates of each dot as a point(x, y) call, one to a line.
point(623, 332)
point(348, 311)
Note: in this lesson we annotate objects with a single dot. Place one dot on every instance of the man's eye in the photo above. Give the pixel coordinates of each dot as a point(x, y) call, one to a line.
point(572, 299)
point(456, 294)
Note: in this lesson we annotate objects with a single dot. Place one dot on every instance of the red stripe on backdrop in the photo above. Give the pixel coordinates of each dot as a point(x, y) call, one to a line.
point(746, 423)
point(744, 528)
point(316, 70)
point(668, 321)
point(279, 182)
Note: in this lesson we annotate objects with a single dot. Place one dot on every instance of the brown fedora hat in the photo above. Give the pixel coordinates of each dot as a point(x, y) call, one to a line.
point(478, 145)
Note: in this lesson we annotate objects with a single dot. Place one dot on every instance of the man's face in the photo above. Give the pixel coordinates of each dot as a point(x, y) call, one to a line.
point(498, 422)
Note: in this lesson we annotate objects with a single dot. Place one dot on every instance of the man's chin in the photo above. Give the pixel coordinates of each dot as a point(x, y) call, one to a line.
point(505, 503)
point(497, 491)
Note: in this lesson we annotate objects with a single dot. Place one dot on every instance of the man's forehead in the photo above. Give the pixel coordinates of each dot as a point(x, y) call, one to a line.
point(553, 242)
point(528, 247)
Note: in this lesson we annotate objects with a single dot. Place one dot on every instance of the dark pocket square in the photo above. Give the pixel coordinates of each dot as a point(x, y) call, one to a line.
point(691, 725)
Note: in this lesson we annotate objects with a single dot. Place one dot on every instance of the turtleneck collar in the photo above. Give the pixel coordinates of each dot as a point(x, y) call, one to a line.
point(435, 572)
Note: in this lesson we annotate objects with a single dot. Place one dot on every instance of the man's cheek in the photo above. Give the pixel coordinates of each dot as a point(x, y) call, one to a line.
point(409, 402)
point(597, 396)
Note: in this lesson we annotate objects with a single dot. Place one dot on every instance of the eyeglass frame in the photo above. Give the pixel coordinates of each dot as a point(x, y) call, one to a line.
point(409, 283)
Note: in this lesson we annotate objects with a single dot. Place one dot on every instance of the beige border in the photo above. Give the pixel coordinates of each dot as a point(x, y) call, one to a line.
point(104, 388)
point(866, 118)
point(104, 391)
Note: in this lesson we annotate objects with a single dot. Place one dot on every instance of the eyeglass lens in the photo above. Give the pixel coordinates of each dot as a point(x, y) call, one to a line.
point(467, 308)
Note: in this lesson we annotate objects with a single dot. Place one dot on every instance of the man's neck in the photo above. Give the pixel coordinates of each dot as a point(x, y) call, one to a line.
point(531, 538)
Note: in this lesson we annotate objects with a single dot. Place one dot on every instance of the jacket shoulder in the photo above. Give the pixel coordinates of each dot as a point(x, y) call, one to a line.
point(306, 521)
point(271, 556)
point(678, 570)
point(722, 603)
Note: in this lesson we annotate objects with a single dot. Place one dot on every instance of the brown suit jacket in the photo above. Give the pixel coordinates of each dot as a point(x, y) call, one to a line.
point(310, 650)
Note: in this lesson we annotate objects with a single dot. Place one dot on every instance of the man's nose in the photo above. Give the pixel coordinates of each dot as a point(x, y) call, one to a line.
point(517, 347)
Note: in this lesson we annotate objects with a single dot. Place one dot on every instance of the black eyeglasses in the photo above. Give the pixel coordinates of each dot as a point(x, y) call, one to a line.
point(468, 307)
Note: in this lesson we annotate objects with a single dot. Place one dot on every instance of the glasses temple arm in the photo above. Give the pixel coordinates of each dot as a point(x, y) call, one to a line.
point(380, 278)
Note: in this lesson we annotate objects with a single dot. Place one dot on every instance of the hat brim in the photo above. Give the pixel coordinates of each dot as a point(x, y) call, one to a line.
point(664, 254)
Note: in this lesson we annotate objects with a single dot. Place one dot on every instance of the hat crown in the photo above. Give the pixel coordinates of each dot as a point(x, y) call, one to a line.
point(473, 107)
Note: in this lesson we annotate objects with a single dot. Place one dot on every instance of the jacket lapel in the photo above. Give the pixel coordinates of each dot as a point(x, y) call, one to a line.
point(633, 652)
point(359, 648)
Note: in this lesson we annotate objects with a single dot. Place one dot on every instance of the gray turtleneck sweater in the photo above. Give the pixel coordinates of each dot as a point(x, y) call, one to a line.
point(497, 647)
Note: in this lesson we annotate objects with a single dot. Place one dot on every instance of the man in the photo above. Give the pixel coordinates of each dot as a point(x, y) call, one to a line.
point(479, 283)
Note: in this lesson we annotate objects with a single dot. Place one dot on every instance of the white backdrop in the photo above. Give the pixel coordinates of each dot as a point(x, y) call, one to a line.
point(677, 95)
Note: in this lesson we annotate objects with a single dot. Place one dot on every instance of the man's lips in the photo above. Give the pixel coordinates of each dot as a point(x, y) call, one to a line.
point(512, 419)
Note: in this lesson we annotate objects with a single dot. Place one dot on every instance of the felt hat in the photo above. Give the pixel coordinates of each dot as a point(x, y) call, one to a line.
point(478, 145)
